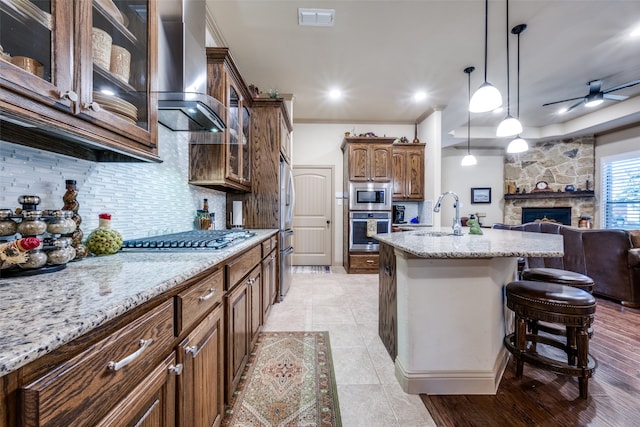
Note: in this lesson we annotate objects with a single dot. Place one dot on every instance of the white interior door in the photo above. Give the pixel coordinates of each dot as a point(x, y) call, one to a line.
point(312, 226)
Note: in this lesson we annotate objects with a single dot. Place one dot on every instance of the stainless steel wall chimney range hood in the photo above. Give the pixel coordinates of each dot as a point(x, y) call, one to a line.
point(182, 100)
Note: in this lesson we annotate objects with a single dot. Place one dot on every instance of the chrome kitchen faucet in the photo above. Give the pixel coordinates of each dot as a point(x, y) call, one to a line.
point(457, 227)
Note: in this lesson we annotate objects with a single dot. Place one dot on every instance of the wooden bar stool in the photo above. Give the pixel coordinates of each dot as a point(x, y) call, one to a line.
point(550, 302)
point(561, 277)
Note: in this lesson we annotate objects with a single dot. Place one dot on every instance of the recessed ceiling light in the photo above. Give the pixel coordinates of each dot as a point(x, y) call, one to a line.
point(419, 96)
point(335, 94)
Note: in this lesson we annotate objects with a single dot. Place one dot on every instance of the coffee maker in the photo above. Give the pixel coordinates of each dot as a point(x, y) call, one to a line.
point(398, 214)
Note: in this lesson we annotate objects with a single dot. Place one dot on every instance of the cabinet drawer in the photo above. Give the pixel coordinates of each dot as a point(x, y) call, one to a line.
point(369, 261)
point(239, 267)
point(268, 245)
point(193, 303)
point(85, 388)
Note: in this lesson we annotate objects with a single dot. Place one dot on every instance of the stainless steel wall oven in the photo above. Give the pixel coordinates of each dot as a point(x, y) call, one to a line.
point(362, 226)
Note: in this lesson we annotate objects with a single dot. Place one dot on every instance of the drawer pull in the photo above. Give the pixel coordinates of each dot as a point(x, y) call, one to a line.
point(192, 350)
point(116, 366)
point(175, 370)
point(370, 261)
point(208, 296)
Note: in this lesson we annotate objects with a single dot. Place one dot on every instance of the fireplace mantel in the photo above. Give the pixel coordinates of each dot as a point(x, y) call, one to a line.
point(550, 195)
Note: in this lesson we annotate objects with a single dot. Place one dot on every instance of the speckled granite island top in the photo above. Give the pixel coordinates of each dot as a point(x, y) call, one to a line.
point(41, 313)
point(439, 243)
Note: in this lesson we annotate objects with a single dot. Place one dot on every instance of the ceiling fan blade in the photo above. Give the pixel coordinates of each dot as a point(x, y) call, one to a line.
point(622, 86)
point(577, 104)
point(595, 86)
point(613, 97)
point(564, 100)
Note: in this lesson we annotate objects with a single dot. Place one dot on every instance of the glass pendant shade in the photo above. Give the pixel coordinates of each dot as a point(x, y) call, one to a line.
point(518, 145)
point(510, 126)
point(486, 98)
point(468, 160)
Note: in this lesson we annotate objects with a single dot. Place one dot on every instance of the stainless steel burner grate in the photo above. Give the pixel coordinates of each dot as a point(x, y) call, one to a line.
point(189, 240)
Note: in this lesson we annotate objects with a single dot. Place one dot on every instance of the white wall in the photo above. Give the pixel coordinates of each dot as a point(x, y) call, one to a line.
point(488, 172)
point(610, 145)
point(145, 199)
point(319, 144)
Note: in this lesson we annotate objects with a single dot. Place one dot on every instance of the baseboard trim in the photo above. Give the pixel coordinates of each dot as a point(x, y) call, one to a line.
point(453, 382)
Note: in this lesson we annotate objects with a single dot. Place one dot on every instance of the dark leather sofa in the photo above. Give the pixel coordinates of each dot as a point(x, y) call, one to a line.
point(610, 257)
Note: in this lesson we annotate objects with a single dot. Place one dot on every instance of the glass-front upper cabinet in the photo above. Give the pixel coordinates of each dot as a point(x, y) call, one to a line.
point(94, 59)
point(235, 134)
point(34, 61)
point(246, 153)
point(120, 65)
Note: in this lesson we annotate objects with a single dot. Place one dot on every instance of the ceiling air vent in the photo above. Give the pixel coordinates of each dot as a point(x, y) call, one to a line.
point(316, 17)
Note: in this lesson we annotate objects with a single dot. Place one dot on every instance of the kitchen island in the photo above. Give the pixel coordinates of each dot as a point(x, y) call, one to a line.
point(442, 308)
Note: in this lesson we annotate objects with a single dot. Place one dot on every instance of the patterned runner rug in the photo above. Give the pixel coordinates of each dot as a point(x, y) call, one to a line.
point(288, 381)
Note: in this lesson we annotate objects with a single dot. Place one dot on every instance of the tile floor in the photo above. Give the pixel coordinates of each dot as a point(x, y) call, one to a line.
point(346, 305)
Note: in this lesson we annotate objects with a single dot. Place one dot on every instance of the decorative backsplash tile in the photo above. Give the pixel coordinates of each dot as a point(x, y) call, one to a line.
point(145, 199)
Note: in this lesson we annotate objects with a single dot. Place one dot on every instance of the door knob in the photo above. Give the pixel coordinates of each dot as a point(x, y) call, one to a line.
point(328, 222)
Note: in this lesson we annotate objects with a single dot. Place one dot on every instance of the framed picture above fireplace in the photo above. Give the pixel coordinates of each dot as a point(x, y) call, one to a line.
point(481, 195)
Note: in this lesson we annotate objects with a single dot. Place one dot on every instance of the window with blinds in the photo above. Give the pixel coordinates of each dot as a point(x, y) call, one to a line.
point(621, 191)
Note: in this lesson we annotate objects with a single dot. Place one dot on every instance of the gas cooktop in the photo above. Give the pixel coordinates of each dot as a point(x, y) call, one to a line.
point(189, 240)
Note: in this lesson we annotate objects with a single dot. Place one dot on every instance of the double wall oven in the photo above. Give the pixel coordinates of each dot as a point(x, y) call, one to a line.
point(369, 214)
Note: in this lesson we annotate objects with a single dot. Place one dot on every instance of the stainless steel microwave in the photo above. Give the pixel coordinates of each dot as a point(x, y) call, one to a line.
point(370, 196)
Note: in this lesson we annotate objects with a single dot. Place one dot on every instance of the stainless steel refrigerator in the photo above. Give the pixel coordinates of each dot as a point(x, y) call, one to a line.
point(287, 202)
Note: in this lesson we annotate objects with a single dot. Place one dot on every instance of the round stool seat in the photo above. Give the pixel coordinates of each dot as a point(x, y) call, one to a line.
point(562, 277)
point(545, 296)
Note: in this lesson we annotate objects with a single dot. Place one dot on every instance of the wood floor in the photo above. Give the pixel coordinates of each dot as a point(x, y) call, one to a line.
point(543, 398)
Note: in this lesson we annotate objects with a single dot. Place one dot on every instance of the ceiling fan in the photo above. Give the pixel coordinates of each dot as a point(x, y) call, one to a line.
point(596, 95)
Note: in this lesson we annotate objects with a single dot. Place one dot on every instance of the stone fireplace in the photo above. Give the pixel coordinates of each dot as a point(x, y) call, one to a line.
point(562, 164)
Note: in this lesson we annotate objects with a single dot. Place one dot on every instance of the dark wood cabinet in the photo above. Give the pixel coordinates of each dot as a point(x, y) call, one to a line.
point(254, 284)
point(72, 103)
point(237, 336)
point(387, 300)
point(225, 166)
point(269, 282)
point(408, 172)
point(103, 374)
point(201, 385)
point(370, 161)
point(172, 360)
point(270, 134)
point(151, 403)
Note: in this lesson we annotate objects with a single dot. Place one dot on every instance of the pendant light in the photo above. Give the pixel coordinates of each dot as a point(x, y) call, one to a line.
point(509, 126)
point(469, 159)
point(518, 145)
point(487, 97)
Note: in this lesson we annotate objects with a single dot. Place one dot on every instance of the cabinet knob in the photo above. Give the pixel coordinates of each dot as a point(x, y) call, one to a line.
point(70, 95)
point(175, 369)
point(192, 350)
point(93, 106)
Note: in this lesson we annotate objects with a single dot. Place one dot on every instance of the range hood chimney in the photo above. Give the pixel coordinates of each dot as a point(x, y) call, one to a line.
point(182, 78)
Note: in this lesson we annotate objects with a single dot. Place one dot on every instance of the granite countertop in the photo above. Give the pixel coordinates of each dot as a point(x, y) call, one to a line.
point(493, 243)
point(41, 313)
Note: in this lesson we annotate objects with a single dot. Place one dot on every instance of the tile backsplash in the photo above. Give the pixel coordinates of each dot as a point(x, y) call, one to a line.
point(145, 199)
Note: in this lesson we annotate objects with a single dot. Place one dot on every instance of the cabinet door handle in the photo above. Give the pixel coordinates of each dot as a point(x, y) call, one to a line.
point(116, 366)
point(175, 370)
point(192, 350)
point(70, 95)
point(208, 296)
point(387, 270)
point(93, 106)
